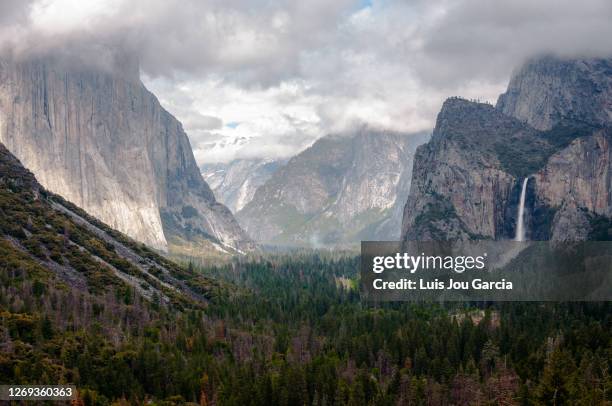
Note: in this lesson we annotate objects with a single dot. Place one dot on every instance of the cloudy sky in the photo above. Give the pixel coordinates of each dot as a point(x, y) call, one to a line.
point(266, 78)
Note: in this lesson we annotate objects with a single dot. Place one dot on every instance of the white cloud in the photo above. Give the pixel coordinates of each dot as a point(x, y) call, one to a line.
point(273, 122)
point(286, 72)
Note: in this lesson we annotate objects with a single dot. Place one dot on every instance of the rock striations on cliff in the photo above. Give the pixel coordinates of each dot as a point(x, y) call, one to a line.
point(46, 239)
point(551, 125)
point(100, 139)
point(341, 190)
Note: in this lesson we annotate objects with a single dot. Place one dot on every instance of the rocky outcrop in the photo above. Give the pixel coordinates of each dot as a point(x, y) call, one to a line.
point(570, 223)
point(234, 183)
point(339, 190)
point(47, 237)
point(550, 91)
point(580, 174)
point(550, 126)
point(578, 181)
point(101, 139)
point(461, 183)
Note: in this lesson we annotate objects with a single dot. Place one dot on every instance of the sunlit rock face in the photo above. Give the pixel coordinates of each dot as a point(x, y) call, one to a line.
point(99, 138)
point(341, 190)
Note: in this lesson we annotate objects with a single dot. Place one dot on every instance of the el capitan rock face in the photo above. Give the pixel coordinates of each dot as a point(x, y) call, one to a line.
point(101, 140)
point(52, 239)
point(551, 126)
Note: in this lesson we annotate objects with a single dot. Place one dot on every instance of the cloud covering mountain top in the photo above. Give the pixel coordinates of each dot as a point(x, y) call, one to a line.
point(266, 78)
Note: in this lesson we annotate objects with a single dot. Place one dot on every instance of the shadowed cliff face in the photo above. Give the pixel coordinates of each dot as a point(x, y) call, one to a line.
point(550, 126)
point(549, 91)
point(103, 141)
point(459, 187)
point(577, 182)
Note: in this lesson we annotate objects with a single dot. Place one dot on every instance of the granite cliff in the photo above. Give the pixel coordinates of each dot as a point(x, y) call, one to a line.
point(100, 139)
point(551, 126)
point(52, 241)
point(341, 190)
point(547, 92)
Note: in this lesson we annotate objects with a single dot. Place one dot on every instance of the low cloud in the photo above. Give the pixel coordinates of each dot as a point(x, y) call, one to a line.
point(197, 121)
point(480, 39)
point(289, 72)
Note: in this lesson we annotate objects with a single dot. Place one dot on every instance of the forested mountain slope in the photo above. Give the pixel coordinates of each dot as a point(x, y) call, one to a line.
point(283, 330)
point(49, 240)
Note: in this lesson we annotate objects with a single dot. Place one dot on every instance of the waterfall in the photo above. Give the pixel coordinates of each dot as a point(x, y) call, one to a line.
point(520, 226)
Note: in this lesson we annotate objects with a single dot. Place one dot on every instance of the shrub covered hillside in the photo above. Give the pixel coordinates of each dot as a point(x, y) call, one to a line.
point(50, 241)
point(82, 304)
point(63, 271)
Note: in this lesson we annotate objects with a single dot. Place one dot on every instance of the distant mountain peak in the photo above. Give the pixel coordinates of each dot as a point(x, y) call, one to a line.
point(235, 182)
point(342, 189)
